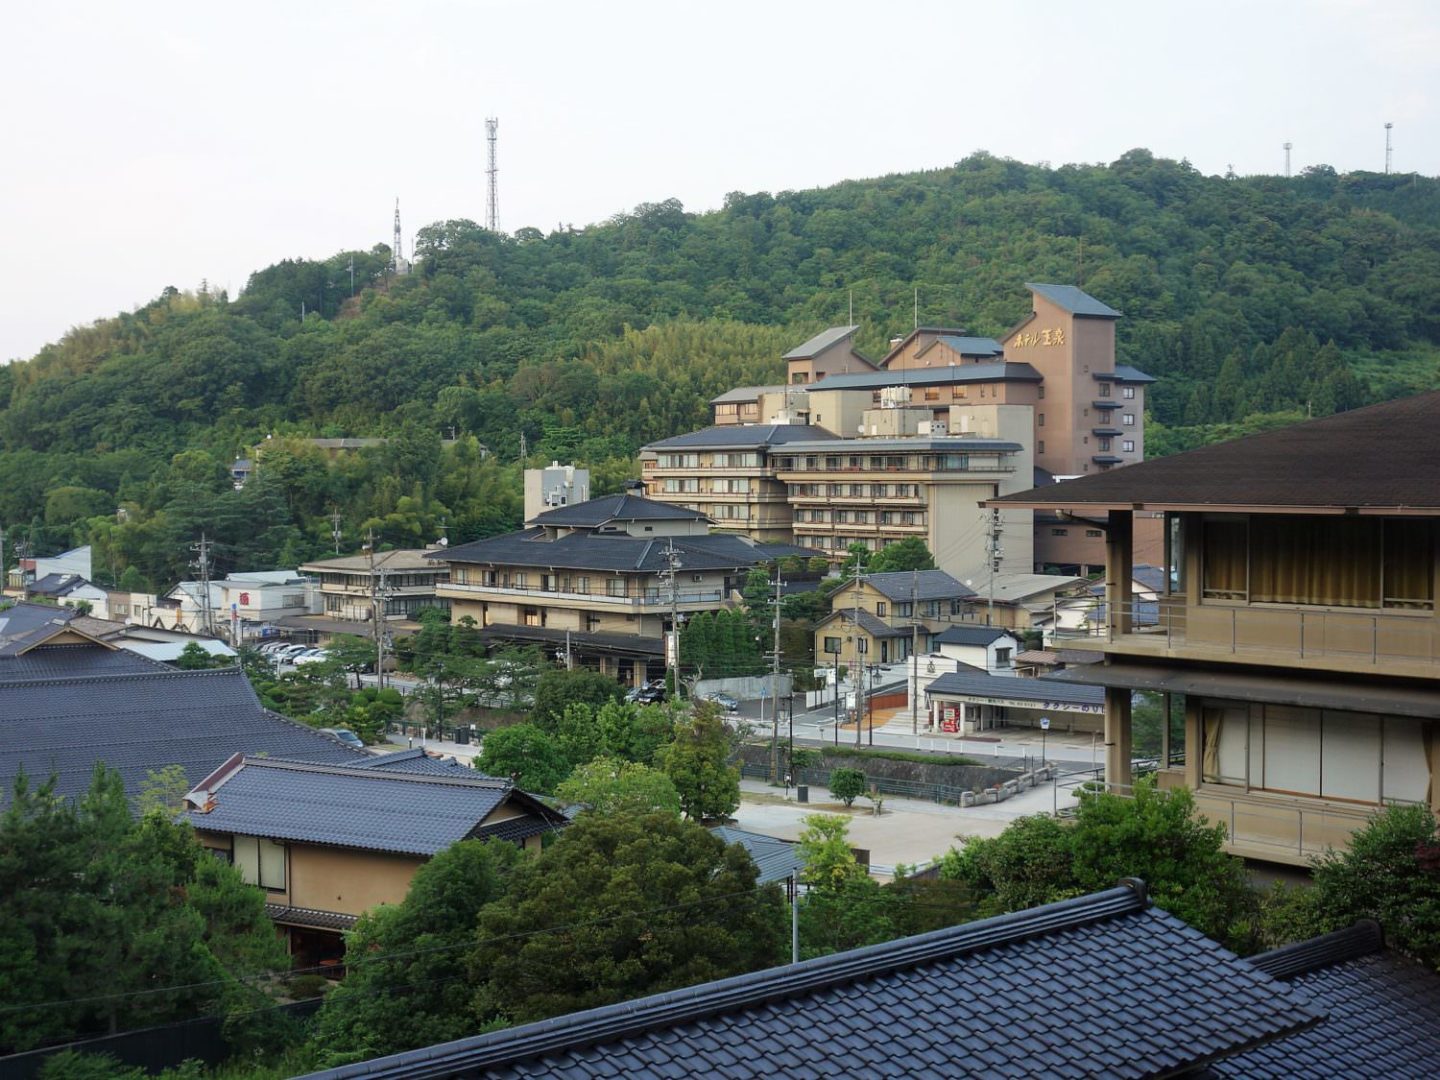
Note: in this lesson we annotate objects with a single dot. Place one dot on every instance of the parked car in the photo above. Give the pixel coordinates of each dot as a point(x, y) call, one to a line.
point(310, 656)
point(724, 700)
point(345, 735)
point(652, 693)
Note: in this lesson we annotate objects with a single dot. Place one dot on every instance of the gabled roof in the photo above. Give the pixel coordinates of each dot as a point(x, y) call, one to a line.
point(375, 810)
point(748, 393)
point(934, 376)
point(66, 707)
point(27, 626)
point(58, 585)
point(971, 635)
point(398, 559)
point(1016, 688)
point(593, 513)
point(1382, 1011)
point(619, 553)
point(1016, 588)
point(775, 859)
point(820, 342)
point(872, 624)
point(1101, 985)
point(1074, 300)
point(1385, 458)
point(922, 584)
point(973, 346)
point(742, 437)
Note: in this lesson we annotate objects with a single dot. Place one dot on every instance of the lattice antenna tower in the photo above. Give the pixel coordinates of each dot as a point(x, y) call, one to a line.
point(1288, 147)
point(492, 201)
point(395, 257)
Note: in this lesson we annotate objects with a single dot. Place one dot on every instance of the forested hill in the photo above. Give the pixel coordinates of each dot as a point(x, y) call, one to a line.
point(1254, 300)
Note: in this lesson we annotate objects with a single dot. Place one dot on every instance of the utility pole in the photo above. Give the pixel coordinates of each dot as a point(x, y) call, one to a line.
point(775, 685)
point(858, 675)
point(22, 552)
point(1388, 126)
point(202, 563)
point(915, 651)
point(994, 553)
point(335, 530)
point(671, 576)
point(378, 597)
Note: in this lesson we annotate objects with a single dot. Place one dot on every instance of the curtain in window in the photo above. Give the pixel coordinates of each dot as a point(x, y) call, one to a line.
point(1309, 560)
point(1210, 768)
point(1225, 559)
point(1409, 564)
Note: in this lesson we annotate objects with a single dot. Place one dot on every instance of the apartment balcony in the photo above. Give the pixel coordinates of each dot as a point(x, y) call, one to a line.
point(1323, 639)
point(650, 598)
point(865, 500)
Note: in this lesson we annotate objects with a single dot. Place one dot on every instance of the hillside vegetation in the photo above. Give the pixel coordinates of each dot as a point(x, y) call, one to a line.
point(1254, 300)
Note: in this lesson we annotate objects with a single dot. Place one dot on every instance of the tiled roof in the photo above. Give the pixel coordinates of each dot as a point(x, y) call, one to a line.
point(872, 624)
point(743, 437)
point(937, 376)
point(139, 720)
point(592, 513)
point(820, 342)
point(1382, 457)
point(515, 829)
point(746, 393)
point(1382, 1012)
point(775, 859)
point(620, 554)
point(1015, 688)
point(974, 346)
point(23, 626)
point(416, 760)
point(376, 810)
point(1074, 300)
point(399, 559)
point(1013, 588)
point(1100, 985)
point(927, 585)
point(314, 919)
point(48, 662)
point(970, 635)
point(1124, 373)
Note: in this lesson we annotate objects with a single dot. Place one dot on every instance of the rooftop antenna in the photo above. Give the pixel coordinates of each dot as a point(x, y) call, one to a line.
point(492, 203)
point(1388, 126)
point(1288, 145)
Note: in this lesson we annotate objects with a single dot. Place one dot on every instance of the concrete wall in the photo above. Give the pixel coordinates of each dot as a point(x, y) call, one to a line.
point(749, 688)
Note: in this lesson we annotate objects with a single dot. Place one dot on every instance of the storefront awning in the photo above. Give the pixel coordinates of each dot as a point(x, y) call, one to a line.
point(1313, 691)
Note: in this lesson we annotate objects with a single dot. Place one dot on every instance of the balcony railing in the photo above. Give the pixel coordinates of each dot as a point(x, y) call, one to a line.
point(647, 598)
point(1355, 637)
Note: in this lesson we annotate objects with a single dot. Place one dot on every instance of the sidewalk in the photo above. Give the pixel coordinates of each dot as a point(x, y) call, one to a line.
point(463, 752)
point(910, 831)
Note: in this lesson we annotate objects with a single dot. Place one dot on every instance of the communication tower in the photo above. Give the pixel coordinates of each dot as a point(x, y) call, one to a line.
point(1288, 145)
point(1388, 126)
point(492, 203)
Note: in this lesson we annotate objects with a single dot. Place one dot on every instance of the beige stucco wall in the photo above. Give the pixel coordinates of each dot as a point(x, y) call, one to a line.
point(335, 879)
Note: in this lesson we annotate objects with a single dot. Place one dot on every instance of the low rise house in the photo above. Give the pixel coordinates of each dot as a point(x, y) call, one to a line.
point(329, 842)
point(27, 571)
point(988, 648)
point(407, 578)
point(886, 618)
point(965, 703)
point(67, 590)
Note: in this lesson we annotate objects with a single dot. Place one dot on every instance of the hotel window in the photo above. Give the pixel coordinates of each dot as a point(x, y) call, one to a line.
point(1127, 391)
point(1040, 447)
point(1040, 419)
point(1059, 532)
point(582, 585)
point(1128, 420)
point(1104, 389)
point(615, 586)
point(1128, 446)
point(956, 607)
point(520, 579)
point(1104, 443)
point(1040, 390)
point(1094, 534)
point(959, 392)
point(260, 862)
point(932, 393)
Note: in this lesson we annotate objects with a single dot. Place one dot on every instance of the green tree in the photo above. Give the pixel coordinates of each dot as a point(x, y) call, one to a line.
point(615, 787)
point(194, 658)
point(558, 689)
point(696, 760)
point(847, 784)
point(633, 732)
point(908, 554)
point(163, 790)
point(844, 908)
point(617, 908)
point(529, 756)
point(405, 983)
point(1390, 872)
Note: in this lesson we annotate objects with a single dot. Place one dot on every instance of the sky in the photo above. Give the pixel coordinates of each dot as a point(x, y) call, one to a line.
point(149, 144)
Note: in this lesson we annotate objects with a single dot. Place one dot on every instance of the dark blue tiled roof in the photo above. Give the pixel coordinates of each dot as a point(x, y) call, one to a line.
point(416, 761)
point(1096, 986)
point(1124, 373)
point(1016, 688)
point(970, 635)
point(46, 662)
point(924, 584)
point(1074, 300)
point(1382, 1016)
point(743, 437)
point(620, 554)
point(974, 346)
point(23, 626)
point(592, 513)
point(775, 859)
point(375, 810)
point(138, 720)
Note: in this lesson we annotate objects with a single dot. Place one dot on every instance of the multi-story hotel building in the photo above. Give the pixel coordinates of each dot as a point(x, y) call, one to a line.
point(1050, 386)
point(1297, 622)
point(591, 581)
